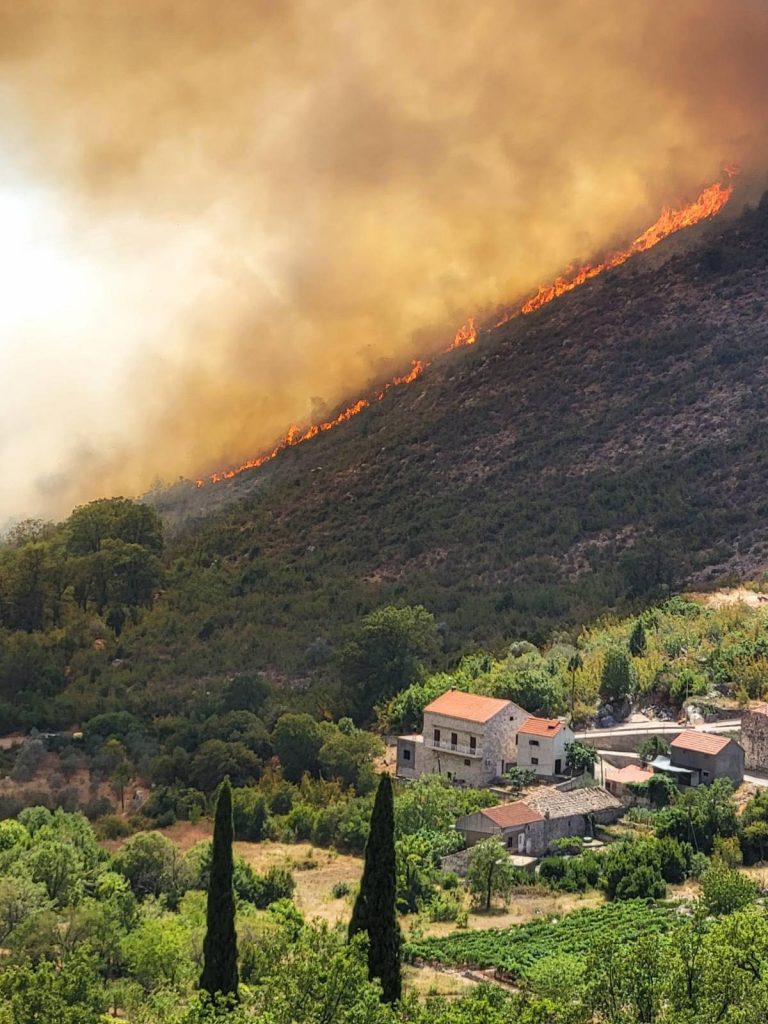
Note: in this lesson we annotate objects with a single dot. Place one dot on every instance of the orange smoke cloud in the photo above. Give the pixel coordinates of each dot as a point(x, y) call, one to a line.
point(708, 204)
point(305, 197)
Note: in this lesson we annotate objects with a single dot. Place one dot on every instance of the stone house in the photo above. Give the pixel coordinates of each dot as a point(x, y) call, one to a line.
point(541, 744)
point(530, 826)
point(754, 738)
point(698, 758)
point(513, 823)
point(466, 737)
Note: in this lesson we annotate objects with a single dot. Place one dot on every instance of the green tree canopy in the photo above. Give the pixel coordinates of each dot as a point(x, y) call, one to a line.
point(298, 739)
point(389, 650)
point(490, 872)
point(617, 679)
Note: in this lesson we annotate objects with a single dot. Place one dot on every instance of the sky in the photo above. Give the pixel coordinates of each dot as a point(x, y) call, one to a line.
point(220, 219)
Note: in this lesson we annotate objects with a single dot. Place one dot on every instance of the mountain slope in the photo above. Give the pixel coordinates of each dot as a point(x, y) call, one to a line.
point(609, 445)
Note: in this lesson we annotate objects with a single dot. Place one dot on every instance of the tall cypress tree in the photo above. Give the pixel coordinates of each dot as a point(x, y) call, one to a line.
point(220, 947)
point(374, 911)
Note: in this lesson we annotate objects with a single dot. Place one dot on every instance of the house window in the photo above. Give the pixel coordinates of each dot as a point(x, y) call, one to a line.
point(437, 735)
point(454, 739)
point(534, 760)
point(406, 755)
point(472, 743)
point(467, 761)
point(533, 743)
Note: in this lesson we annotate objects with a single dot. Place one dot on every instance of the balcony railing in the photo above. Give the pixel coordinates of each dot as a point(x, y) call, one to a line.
point(454, 748)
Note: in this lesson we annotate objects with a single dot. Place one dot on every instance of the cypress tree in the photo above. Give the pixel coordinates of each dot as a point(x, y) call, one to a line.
point(374, 911)
point(220, 947)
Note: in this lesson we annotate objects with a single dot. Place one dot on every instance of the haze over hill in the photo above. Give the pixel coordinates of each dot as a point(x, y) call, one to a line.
point(607, 446)
point(267, 209)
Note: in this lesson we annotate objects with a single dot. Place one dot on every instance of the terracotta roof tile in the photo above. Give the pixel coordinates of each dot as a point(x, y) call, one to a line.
point(470, 706)
point(630, 773)
point(509, 815)
point(540, 727)
point(553, 803)
point(701, 742)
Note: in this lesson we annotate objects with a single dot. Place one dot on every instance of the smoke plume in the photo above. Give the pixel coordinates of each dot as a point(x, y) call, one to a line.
point(258, 207)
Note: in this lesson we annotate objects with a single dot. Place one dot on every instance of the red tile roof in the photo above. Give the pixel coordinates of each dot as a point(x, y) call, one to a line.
point(630, 773)
point(509, 815)
point(701, 742)
point(470, 706)
point(540, 727)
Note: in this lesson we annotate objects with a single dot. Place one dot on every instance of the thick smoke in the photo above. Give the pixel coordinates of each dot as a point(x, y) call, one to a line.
point(285, 200)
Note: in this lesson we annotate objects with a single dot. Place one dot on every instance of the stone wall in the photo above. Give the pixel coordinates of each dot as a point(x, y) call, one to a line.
point(754, 739)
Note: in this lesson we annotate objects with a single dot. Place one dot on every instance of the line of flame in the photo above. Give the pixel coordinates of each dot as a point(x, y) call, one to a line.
point(709, 202)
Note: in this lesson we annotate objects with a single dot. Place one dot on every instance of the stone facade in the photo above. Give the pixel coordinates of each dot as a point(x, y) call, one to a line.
point(754, 738)
point(469, 739)
point(530, 826)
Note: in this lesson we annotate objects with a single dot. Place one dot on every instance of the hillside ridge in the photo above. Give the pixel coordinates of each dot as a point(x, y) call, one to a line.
point(607, 447)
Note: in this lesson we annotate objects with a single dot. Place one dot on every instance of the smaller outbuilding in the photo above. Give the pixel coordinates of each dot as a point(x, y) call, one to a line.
point(617, 780)
point(541, 744)
point(698, 758)
point(528, 827)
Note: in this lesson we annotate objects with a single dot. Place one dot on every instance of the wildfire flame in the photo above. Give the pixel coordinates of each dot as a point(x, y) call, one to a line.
point(709, 203)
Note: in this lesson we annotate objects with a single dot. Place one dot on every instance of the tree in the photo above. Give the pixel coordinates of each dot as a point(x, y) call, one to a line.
point(415, 872)
point(580, 758)
point(724, 890)
point(617, 679)
point(699, 815)
point(490, 872)
point(215, 760)
point(389, 651)
point(59, 867)
point(297, 740)
point(575, 664)
point(20, 899)
point(755, 840)
point(157, 951)
point(632, 870)
point(119, 779)
point(375, 911)
point(245, 693)
point(152, 865)
point(348, 756)
point(220, 947)
point(637, 640)
point(113, 519)
point(652, 747)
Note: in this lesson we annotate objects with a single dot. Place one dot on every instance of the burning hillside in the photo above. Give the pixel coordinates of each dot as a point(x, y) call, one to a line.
point(709, 203)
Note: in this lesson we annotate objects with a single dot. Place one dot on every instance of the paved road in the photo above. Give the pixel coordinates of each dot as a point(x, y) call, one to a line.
point(655, 729)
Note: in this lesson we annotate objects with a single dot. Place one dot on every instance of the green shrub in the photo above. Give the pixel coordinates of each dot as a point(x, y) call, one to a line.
point(444, 906)
point(112, 826)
